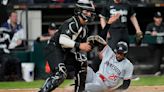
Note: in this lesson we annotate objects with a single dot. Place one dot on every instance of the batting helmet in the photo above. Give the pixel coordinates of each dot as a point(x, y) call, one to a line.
point(85, 5)
point(121, 47)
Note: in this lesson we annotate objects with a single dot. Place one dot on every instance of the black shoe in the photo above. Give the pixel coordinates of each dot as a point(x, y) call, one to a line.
point(40, 90)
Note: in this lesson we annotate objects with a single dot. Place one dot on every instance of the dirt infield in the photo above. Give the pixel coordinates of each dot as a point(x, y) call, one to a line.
point(131, 89)
point(146, 89)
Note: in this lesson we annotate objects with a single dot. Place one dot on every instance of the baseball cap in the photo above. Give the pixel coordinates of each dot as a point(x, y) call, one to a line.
point(158, 14)
point(52, 26)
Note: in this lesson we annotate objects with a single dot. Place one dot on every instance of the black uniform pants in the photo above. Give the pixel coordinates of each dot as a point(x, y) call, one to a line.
point(10, 68)
point(55, 55)
point(157, 54)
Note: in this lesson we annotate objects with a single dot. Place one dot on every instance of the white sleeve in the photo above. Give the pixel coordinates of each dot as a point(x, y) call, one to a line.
point(22, 34)
point(66, 41)
point(128, 71)
point(106, 51)
point(15, 38)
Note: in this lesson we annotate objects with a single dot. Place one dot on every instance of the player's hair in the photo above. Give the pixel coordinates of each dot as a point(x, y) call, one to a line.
point(10, 12)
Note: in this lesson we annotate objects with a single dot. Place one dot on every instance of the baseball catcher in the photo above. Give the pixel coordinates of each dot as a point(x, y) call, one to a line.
point(66, 45)
point(65, 48)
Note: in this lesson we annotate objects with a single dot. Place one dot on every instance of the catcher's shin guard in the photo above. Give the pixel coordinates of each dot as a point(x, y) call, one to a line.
point(81, 77)
point(55, 79)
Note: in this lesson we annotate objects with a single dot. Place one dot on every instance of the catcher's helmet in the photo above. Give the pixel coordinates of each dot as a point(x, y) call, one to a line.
point(121, 47)
point(85, 5)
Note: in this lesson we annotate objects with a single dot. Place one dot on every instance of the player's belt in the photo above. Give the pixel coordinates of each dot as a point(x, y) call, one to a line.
point(102, 77)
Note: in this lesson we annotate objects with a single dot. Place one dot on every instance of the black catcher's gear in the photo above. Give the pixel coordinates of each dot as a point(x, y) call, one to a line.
point(96, 40)
point(85, 5)
point(55, 79)
point(81, 73)
point(67, 52)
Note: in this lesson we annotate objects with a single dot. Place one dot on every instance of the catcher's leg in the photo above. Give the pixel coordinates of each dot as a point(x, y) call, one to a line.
point(80, 76)
point(54, 56)
point(55, 79)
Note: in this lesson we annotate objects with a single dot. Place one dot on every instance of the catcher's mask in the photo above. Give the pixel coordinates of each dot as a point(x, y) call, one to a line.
point(86, 5)
point(121, 47)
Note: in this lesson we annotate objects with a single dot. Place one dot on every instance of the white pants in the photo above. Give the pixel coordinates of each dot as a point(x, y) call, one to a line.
point(93, 82)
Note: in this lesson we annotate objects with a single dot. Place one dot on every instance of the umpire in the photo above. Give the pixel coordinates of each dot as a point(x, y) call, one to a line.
point(118, 30)
point(65, 46)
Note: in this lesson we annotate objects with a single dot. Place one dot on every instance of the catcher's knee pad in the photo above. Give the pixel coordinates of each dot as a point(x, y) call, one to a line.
point(80, 57)
point(81, 72)
point(81, 77)
point(55, 79)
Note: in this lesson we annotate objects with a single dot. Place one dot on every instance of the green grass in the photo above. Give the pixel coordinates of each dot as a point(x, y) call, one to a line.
point(149, 81)
point(144, 81)
point(22, 84)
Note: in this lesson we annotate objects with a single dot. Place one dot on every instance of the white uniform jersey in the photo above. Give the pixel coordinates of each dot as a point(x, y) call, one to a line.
point(111, 71)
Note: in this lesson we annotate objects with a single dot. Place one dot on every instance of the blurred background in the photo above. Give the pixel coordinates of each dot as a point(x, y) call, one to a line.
point(35, 16)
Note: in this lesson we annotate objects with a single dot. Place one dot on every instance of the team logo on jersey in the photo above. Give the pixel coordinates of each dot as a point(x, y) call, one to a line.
point(113, 77)
point(113, 68)
point(121, 11)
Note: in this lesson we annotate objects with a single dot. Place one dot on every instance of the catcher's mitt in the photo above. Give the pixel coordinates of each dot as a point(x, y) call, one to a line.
point(138, 38)
point(96, 40)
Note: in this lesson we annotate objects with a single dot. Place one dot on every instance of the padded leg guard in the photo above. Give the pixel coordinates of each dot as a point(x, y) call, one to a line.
point(81, 78)
point(55, 79)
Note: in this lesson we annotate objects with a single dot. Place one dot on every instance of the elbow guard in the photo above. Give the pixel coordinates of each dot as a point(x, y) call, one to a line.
point(125, 85)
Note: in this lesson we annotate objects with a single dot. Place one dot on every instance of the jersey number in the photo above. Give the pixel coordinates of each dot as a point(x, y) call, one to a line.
point(123, 19)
